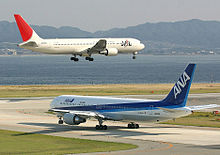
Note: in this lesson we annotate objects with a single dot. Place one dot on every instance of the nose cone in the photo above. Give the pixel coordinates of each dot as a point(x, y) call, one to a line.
point(142, 46)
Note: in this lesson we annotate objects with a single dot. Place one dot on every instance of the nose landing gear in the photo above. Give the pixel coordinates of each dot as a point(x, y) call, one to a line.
point(134, 55)
point(60, 120)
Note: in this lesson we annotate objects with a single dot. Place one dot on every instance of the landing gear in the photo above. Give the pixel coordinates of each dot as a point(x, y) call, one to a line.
point(60, 121)
point(74, 59)
point(89, 58)
point(134, 55)
point(133, 125)
point(100, 126)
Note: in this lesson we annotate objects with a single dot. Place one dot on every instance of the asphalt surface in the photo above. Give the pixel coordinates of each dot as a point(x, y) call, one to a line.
point(28, 115)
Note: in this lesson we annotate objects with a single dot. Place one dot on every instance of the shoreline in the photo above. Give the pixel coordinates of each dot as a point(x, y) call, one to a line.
point(100, 89)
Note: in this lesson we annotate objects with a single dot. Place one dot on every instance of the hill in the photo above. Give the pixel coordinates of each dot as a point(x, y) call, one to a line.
point(192, 33)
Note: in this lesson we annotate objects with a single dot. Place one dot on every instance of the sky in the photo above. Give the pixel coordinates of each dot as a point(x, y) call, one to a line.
point(95, 15)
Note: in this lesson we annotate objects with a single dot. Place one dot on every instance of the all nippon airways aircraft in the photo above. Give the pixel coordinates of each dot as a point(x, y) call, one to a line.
point(74, 110)
point(76, 47)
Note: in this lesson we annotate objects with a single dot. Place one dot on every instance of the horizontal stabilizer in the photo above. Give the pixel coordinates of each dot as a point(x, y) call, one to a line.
point(200, 107)
point(28, 44)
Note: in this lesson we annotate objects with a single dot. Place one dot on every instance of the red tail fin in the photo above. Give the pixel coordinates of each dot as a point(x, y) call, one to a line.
point(25, 30)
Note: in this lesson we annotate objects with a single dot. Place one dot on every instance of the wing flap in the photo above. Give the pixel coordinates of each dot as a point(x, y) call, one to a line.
point(81, 113)
point(99, 46)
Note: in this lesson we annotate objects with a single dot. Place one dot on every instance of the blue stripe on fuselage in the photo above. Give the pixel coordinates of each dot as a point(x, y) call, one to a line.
point(121, 106)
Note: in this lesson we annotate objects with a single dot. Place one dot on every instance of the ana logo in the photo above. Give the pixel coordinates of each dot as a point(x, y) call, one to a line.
point(181, 84)
point(69, 100)
point(125, 43)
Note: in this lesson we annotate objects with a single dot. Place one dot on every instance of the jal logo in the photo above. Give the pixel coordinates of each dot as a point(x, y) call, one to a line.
point(181, 84)
point(69, 100)
point(125, 43)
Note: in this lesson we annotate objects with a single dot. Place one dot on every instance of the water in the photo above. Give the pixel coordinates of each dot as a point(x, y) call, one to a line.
point(29, 70)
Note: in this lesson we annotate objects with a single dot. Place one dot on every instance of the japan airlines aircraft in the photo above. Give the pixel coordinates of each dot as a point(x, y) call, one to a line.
point(76, 47)
point(74, 110)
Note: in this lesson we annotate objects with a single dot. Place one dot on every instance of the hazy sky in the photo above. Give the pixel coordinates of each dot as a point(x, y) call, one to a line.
point(92, 15)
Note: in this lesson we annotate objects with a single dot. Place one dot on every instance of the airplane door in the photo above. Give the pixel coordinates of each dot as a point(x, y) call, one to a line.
point(151, 110)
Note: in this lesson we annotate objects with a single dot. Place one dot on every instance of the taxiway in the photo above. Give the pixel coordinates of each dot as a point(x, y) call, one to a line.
point(29, 115)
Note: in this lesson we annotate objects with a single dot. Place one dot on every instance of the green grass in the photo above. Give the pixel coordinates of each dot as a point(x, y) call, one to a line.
point(202, 119)
point(99, 90)
point(12, 142)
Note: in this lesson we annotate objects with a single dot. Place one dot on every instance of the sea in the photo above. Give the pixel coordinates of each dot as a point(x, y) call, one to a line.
point(59, 70)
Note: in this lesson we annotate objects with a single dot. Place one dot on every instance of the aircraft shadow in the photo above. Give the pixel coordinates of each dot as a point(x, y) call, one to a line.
point(115, 131)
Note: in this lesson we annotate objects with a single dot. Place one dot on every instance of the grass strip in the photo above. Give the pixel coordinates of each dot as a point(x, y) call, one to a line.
point(99, 90)
point(12, 142)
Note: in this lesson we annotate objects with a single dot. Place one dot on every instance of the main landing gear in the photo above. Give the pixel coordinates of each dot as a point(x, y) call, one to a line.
point(89, 58)
point(100, 126)
point(133, 125)
point(74, 58)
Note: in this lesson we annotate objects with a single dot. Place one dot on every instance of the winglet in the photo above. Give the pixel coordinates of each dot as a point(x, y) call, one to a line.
point(25, 30)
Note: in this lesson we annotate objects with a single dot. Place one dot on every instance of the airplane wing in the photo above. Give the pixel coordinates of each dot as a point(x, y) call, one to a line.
point(99, 46)
point(200, 107)
point(81, 113)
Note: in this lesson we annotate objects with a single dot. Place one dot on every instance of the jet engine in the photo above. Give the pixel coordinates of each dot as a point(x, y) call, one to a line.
point(110, 52)
point(73, 119)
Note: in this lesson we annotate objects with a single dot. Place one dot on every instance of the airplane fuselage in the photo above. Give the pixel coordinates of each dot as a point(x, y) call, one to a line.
point(76, 46)
point(119, 109)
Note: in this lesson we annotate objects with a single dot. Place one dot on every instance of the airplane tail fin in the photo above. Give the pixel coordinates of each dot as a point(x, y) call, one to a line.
point(179, 93)
point(27, 33)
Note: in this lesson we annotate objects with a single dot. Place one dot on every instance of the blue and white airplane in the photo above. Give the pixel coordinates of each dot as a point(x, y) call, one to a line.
point(74, 110)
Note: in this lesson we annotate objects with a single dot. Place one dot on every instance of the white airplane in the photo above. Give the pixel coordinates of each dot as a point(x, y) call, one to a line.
point(74, 110)
point(76, 47)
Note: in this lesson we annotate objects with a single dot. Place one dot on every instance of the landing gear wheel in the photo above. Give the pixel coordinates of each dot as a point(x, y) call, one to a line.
point(133, 125)
point(105, 127)
point(60, 121)
point(101, 127)
point(97, 127)
point(91, 59)
point(74, 59)
point(136, 126)
point(134, 57)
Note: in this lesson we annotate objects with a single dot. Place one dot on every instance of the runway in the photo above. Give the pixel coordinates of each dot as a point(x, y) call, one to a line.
point(28, 115)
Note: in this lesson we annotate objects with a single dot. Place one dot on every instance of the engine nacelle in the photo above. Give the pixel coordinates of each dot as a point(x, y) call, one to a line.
point(73, 119)
point(110, 52)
